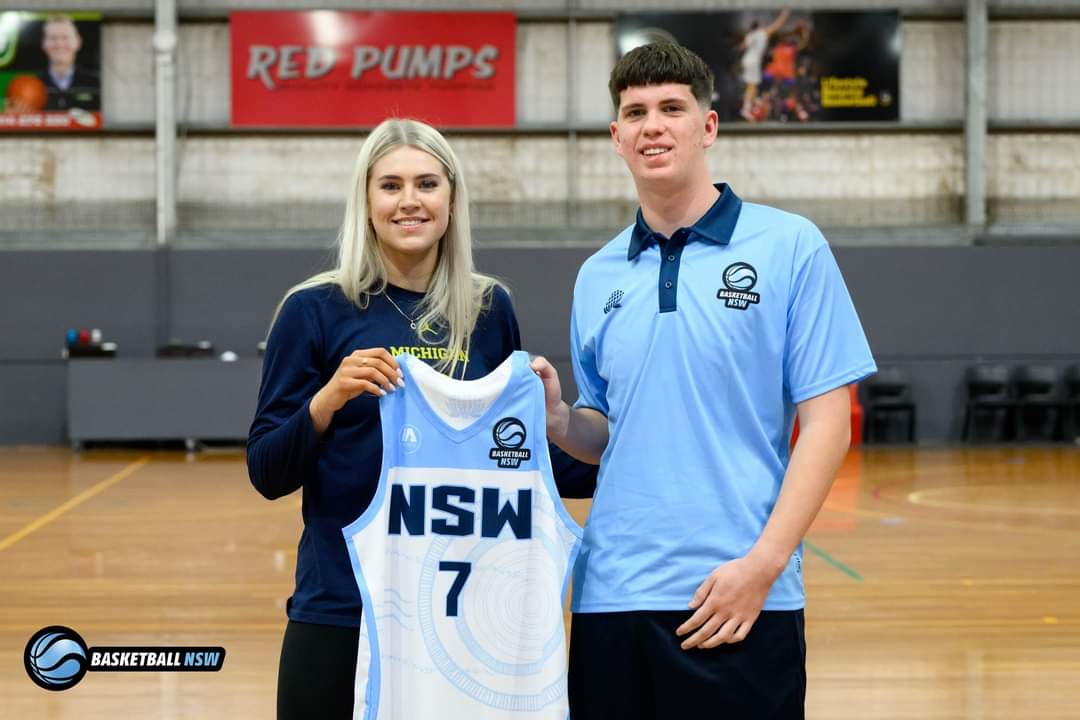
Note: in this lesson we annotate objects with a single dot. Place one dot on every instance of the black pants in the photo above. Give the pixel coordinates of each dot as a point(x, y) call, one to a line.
point(317, 673)
point(629, 666)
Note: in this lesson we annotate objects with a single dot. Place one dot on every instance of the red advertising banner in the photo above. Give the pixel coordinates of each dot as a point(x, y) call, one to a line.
point(349, 69)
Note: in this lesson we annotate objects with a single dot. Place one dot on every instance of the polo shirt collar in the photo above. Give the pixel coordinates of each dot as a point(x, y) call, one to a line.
point(714, 227)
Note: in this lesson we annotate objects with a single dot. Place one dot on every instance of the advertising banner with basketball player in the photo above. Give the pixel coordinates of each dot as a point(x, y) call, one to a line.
point(355, 69)
point(786, 66)
point(50, 67)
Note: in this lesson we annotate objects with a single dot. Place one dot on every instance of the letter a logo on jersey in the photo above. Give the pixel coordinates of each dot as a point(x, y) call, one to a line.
point(409, 438)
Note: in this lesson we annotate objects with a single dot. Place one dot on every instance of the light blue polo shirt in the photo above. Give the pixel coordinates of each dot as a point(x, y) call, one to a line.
point(698, 348)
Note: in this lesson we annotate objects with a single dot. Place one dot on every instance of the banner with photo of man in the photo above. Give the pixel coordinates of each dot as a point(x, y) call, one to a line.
point(50, 65)
point(784, 65)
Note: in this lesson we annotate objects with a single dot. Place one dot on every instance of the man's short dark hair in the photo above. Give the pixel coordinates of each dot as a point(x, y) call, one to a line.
point(660, 63)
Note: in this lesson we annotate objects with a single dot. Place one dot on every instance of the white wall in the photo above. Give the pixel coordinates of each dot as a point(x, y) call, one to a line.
point(283, 181)
point(1032, 67)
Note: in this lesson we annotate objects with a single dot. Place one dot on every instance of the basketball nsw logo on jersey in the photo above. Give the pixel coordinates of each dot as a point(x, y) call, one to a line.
point(509, 435)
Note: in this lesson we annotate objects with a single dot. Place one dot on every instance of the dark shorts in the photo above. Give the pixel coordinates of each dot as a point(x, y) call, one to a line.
point(629, 666)
point(317, 673)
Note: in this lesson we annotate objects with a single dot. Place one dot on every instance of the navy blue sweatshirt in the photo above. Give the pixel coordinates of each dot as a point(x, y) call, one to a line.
point(339, 470)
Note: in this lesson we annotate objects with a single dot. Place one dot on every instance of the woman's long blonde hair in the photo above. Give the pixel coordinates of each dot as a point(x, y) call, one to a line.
point(456, 294)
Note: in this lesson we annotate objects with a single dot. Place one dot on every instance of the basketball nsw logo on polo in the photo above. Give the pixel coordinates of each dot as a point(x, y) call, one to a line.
point(739, 279)
point(509, 435)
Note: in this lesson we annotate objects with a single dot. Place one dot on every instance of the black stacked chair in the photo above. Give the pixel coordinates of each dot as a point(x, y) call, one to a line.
point(1038, 403)
point(1070, 404)
point(988, 395)
point(889, 402)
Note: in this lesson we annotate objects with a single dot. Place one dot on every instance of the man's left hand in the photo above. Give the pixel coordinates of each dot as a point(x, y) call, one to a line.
point(726, 604)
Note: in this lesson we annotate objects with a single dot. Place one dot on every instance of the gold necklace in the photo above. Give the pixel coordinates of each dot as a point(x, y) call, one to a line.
point(412, 323)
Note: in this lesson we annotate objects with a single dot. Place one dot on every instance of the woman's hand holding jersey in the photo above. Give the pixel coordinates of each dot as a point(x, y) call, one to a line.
point(371, 370)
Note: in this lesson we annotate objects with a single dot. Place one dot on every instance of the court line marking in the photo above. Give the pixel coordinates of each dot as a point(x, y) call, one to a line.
point(941, 523)
point(833, 507)
point(952, 584)
point(924, 497)
point(107, 586)
point(952, 623)
point(72, 503)
point(1020, 666)
point(833, 561)
point(252, 512)
point(182, 627)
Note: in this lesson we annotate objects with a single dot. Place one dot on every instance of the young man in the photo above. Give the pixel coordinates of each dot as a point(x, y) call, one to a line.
point(697, 334)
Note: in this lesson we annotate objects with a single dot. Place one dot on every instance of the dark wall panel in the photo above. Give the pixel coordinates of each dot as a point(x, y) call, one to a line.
point(967, 301)
point(43, 293)
point(229, 296)
point(541, 282)
point(932, 310)
point(33, 403)
point(161, 398)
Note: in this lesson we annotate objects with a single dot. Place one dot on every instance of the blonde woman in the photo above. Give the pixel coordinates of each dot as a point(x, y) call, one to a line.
point(404, 280)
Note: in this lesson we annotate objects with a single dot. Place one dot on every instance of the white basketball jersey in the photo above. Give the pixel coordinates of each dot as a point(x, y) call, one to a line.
point(756, 42)
point(464, 555)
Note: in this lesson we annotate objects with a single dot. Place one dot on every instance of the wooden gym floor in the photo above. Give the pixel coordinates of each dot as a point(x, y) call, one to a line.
point(941, 583)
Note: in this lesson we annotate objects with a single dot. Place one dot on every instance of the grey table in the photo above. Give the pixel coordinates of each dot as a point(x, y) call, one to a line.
point(190, 399)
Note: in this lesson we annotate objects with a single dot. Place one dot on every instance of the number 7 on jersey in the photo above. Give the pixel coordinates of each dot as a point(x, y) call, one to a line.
point(462, 569)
